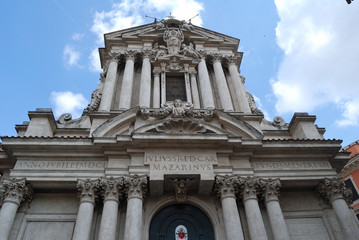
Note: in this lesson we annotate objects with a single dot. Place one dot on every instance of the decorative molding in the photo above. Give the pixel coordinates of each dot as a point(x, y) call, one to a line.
point(271, 188)
point(16, 190)
point(111, 188)
point(135, 186)
point(88, 189)
point(181, 187)
point(181, 126)
point(331, 189)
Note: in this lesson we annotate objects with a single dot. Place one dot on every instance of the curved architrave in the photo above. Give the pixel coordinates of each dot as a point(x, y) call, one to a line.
point(241, 127)
point(113, 125)
point(194, 201)
point(153, 125)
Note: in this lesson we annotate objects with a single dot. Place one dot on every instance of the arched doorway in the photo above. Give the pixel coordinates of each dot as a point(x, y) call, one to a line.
point(181, 221)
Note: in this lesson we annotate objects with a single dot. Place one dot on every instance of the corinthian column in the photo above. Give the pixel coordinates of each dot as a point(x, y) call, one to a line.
point(277, 222)
point(333, 190)
point(205, 84)
point(156, 88)
point(88, 190)
point(226, 189)
point(194, 88)
point(15, 191)
point(254, 218)
point(145, 85)
point(110, 83)
point(221, 82)
point(233, 62)
point(111, 194)
point(135, 188)
point(127, 81)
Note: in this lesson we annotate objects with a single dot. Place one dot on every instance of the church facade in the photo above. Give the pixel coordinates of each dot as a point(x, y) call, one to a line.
point(172, 146)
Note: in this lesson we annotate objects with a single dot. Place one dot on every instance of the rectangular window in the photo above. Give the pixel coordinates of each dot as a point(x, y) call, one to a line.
point(349, 184)
point(175, 88)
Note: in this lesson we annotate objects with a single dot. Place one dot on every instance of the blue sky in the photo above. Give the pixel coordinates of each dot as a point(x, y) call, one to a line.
point(299, 55)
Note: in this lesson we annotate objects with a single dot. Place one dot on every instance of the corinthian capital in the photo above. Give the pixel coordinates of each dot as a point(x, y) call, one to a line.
point(88, 189)
point(114, 56)
point(147, 53)
point(16, 190)
point(227, 186)
point(216, 57)
point(131, 55)
point(236, 60)
point(136, 186)
point(271, 189)
point(332, 188)
point(111, 188)
point(249, 188)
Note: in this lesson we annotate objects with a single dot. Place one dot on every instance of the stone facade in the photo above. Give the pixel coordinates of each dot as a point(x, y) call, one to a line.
point(171, 126)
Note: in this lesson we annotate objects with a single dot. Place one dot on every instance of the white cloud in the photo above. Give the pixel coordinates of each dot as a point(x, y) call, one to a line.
point(127, 13)
point(68, 102)
point(70, 56)
point(77, 36)
point(95, 65)
point(320, 63)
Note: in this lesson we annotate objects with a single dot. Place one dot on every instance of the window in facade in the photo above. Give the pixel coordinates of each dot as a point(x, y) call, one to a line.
point(175, 88)
point(349, 184)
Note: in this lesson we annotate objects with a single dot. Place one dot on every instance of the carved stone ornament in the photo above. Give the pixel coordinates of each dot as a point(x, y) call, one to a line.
point(189, 51)
point(181, 126)
point(131, 55)
point(177, 109)
point(216, 57)
point(227, 186)
point(181, 187)
point(111, 188)
point(249, 188)
point(233, 60)
point(96, 95)
point(114, 56)
point(16, 190)
point(135, 186)
point(331, 189)
point(278, 121)
point(158, 51)
point(64, 118)
point(173, 39)
point(174, 64)
point(271, 189)
point(252, 104)
point(88, 189)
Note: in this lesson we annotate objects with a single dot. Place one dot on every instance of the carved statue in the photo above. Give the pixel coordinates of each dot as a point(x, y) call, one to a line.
point(187, 26)
point(159, 25)
point(189, 51)
point(173, 38)
point(159, 50)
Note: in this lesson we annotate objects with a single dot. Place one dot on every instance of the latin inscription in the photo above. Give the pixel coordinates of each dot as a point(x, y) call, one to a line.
point(59, 165)
point(180, 162)
point(292, 165)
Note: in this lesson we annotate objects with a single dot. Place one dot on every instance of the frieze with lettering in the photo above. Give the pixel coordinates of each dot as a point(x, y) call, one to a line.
point(300, 165)
point(78, 165)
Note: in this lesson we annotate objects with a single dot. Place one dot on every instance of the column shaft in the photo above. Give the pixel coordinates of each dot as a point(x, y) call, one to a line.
point(277, 222)
point(239, 88)
point(109, 86)
point(109, 220)
point(224, 95)
point(145, 87)
point(133, 228)
point(156, 90)
point(7, 217)
point(232, 222)
point(349, 226)
point(83, 221)
point(127, 83)
point(205, 85)
point(195, 96)
point(255, 221)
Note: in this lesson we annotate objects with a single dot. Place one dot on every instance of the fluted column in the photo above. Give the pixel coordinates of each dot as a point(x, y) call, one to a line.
point(224, 95)
point(225, 189)
point(111, 193)
point(110, 83)
point(145, 85)
point(87, 191)
point(156, 95)
point(276, 218)
point(333, 190)
point(194, 88)
point(239, 89)
point(127, 81)
point(135, 188)
point(254, 217)
point(205, 84)
point(15, 192)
